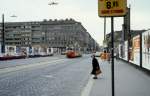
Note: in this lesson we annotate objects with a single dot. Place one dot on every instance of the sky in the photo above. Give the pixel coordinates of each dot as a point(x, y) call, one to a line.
point(84, 11)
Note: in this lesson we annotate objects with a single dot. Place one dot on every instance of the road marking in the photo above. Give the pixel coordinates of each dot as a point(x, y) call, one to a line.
point(87, 89)
point(16, 68)
point(48, 76)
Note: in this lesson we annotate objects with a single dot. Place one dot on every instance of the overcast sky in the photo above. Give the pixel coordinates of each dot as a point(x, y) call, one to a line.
point(84, 11)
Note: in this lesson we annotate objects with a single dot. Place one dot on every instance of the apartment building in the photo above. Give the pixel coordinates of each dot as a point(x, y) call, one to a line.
point(49, 33)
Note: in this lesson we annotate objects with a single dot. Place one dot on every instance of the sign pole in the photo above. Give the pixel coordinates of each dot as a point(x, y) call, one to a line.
point(112, 8)
point(112, 55)
point(104, 29)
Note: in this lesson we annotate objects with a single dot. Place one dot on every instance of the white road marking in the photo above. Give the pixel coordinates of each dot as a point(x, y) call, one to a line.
point(6, 70)
point(49, 76)
point(87, 89)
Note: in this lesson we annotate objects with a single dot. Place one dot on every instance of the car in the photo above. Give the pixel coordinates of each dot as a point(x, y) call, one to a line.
point(63, 53)
point(98, 54)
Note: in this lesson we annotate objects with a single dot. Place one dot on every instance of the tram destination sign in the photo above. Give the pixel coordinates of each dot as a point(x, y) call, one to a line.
point(108, 8)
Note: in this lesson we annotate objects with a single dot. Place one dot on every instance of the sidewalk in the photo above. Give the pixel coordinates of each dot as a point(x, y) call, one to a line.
point(129, 81)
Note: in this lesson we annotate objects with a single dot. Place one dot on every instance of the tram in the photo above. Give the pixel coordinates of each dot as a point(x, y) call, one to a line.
point(71, 53)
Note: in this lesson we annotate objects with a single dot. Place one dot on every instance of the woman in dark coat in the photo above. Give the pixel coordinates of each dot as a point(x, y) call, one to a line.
point(96, 68)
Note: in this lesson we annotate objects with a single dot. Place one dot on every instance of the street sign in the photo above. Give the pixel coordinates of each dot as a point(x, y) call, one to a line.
point(108, 8)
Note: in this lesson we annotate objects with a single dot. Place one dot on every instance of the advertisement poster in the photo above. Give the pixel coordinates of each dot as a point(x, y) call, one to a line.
point(43, 51)
point(24, 50)
point(121, 51)
point(119, 47)
point(126, 51)
point(18, 49)
point(36, 50)
point(10, 50)
point(30, 50)
point(135, 55)
point(146, 49)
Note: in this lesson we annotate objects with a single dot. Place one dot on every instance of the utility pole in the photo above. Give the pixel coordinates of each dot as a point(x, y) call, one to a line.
point(3, 35)
point(127, 30)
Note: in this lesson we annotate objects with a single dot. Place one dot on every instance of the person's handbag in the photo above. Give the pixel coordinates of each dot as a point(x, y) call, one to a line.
point(98, 72)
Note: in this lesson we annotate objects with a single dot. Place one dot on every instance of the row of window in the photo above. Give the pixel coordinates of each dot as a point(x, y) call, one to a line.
point(64, 43)
point(13, 39)
point(34, 28)
point(14, 43)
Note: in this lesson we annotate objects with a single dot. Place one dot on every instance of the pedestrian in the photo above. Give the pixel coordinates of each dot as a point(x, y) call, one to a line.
point(96, 68)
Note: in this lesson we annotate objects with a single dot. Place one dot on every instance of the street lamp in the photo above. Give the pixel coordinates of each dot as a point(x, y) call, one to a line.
point(3, 33)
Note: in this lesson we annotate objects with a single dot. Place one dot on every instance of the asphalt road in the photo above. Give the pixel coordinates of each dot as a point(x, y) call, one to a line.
point(48, 76)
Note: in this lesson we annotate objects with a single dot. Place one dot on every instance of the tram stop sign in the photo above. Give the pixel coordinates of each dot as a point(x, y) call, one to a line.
point(108, 8)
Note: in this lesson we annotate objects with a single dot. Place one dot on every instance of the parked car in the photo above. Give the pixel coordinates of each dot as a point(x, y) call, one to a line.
point(97, 54)
point(63, 53)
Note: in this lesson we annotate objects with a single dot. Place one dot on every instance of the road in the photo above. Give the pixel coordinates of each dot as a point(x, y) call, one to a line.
point(47, 76)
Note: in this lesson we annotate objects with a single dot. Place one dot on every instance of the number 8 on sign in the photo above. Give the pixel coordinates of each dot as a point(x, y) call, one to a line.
point(108, 4)
point(108, 8)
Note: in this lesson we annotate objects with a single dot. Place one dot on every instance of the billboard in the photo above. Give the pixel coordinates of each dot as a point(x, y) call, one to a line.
point(146, 49)
point(10, 50)
point(123, 50)
point(126, 51)
point(135, 53)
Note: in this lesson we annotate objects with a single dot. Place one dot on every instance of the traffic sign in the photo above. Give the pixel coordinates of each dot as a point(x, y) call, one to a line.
point(108, 8)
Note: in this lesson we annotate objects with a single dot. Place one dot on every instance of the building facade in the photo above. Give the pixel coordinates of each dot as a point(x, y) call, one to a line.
point(119, 38)
point(49, 33)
